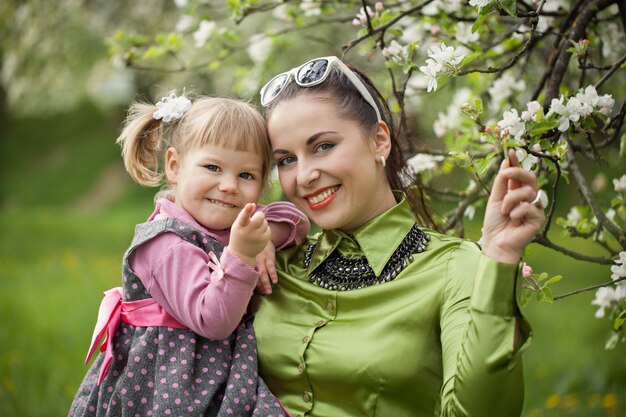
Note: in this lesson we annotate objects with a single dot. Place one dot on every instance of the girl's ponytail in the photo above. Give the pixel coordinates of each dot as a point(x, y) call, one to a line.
point(142, 143)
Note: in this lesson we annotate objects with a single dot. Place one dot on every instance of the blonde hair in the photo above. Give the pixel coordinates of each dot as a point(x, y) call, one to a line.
point(226, 122)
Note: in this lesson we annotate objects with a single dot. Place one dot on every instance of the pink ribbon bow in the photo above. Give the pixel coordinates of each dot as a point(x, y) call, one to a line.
point(215, 266)
point(113, 310)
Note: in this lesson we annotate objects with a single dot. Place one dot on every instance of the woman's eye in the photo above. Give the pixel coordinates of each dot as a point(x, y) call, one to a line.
point(246, 176)
point(213, 168)
point(285, 161)
point(324, 147)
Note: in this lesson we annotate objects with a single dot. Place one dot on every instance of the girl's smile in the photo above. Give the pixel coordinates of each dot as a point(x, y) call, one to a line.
point(213, 183)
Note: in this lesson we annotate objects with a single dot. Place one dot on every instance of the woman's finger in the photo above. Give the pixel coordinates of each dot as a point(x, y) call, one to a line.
point(517, 196)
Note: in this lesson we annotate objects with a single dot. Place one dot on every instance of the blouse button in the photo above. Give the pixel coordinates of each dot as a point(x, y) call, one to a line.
point(301, 368)
point(329, 306)
point(320, 323)
point(306, 339)
point(306, 397)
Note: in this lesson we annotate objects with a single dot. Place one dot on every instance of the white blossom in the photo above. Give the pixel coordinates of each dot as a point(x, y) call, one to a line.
point(512, 124)
point(605, 297)
point(446, 55)
point(464, 33)
point(619, 269)
point(181, 3)
point(311, 7)
point(431, 70)
point(452, 117)
point(557, 107)
point(533, 108)
point(361, 17)
point(479, 3)
point(503, 88)
point(422, 162)
point(282, 13)
point(470, 211)
point(527, 160)
point(574, 216)
point(259, 48)
point(396, 52)
point(620, 184)
point(204, 32)
point(443, 59)
point(184, 23)
point(603, 104)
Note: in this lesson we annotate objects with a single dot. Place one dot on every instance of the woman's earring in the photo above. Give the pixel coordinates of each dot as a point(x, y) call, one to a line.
point(382, 161)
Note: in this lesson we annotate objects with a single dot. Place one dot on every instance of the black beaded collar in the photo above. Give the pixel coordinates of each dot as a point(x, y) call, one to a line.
point(339, 273)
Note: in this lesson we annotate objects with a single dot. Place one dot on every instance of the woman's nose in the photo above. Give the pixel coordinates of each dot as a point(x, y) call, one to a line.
point(307, 175)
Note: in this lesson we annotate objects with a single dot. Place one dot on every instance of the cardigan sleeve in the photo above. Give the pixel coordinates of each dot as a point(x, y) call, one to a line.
point(284, 212)
point(176, 274)
point(482, 335)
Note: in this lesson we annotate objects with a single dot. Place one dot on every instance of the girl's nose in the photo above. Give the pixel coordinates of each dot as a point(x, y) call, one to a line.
point(228, 184)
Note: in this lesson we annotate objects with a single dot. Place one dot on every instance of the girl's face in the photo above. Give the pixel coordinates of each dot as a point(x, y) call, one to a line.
point(328, 166)
point(214, 183)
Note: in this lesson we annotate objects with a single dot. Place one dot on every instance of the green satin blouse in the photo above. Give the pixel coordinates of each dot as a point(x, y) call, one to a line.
point(438, 340)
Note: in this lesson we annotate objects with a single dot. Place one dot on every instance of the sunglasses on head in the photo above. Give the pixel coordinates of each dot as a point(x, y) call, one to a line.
point(312, 73)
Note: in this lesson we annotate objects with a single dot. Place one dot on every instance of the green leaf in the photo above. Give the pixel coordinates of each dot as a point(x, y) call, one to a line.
point(622, 145)
point(611, 342)
point(481, 165)
point(469, 58)
point(542, 127)
point(526, 296)
point(545, 295)
point(554, 279)
point(619, 321)
point(542, 276)
point(478, 23)
point(508, 6)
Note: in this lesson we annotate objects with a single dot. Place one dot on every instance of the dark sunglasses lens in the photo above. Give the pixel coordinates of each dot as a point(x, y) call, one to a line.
point(312, 72)
point(273, 88)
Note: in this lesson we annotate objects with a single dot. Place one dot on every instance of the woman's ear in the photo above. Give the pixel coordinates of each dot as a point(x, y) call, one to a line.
point(172, 165)
point(382, 141)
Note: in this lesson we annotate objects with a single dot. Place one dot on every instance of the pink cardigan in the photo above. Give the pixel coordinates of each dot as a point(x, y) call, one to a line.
point(175, 272)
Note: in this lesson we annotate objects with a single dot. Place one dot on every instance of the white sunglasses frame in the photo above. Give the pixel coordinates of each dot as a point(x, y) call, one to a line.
point(332, 61)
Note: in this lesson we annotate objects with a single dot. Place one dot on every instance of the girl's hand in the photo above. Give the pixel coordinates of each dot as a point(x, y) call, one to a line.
point(249, 234)
point(511, 220)
point(266, 262)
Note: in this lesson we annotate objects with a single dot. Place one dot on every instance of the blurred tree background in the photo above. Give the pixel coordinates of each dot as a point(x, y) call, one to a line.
point(69, 69)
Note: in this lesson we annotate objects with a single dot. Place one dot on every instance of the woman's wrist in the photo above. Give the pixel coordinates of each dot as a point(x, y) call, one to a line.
point(502, 255)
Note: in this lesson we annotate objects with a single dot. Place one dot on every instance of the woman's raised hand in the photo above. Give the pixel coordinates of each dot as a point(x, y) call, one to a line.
point(511, 220)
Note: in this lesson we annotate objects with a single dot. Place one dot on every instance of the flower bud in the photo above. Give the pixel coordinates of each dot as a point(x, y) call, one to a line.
point(378, 6)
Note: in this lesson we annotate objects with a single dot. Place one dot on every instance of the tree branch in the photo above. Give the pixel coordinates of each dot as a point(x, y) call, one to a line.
point(544, 241)
point(593, 287)
point(579, 25)
point(584, 189)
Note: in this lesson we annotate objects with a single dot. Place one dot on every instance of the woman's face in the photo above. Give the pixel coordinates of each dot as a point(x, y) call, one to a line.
point(328, 166)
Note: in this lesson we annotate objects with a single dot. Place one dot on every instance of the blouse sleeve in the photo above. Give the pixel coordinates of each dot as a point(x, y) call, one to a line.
point(211, 302)
point(284, 212)
point(482, 335)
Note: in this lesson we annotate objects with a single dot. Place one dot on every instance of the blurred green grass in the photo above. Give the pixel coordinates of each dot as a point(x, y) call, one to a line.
point(57, 257)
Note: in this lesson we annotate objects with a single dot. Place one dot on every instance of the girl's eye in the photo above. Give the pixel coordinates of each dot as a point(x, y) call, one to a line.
point(288, 160)
point(246, 176)
point(213, 168)
point(324, 147)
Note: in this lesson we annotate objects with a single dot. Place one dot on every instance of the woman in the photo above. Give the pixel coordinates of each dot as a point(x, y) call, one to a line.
point(377, 316)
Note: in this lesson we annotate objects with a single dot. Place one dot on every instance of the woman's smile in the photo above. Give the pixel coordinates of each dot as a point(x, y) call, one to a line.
point(321, 198)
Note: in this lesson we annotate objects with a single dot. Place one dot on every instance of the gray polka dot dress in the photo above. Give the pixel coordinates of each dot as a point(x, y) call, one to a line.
point(163, 371)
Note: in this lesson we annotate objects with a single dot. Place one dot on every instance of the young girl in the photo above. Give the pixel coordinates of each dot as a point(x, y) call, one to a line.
point(176, 343)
